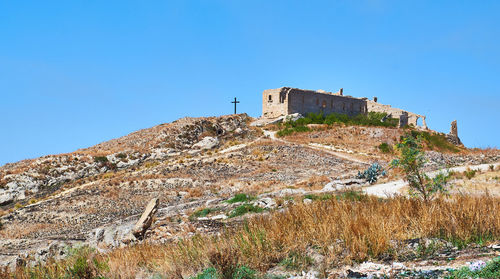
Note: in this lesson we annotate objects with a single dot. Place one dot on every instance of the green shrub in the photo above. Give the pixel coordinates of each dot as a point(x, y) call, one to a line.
point(370, 119)
point(240, 198)
point(352, 196)
point(121, 156)
point(385, 147)
point(323, 197)
point(411, 161)
point(244, 209)
point(201, 213)
point(435, 141)
point(491, 270)
point(84, 264)
point(209, 273)
point(470, 173)
point(241, 272)
point(100, 159)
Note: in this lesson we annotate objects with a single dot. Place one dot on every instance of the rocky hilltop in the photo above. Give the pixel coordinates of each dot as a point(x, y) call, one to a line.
point(203, 175)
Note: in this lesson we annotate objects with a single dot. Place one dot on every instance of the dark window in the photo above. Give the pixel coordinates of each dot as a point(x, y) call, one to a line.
point(270, 98)
point(323, 104)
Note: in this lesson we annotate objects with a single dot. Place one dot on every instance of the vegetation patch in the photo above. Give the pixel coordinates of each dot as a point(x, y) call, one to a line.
point(435, 141)
point(370, 119)
point(411, 161)
point(240, 198)
point(343, 230)
point(385, 148)
point(372, 173)
point(479, 269)
point(323, 197)
point(244, 209)
point(100, 159)
point(470, 173)
point(201, 213)
point(297, 261)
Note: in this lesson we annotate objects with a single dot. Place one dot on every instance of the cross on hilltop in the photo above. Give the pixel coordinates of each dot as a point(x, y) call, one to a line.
point(235, 102)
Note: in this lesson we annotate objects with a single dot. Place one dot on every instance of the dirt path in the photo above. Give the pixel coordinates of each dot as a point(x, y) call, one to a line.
point(394, 187)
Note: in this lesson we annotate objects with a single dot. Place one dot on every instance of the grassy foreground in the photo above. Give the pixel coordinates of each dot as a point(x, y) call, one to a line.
point(342, 230)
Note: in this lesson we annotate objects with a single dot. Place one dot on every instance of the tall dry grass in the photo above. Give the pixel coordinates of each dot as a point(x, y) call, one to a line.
point(343, 230)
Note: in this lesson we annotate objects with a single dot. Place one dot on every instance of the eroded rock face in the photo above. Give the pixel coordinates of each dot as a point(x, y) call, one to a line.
point(37, 178)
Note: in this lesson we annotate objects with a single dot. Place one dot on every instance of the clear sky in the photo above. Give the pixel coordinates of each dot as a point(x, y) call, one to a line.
point(76, 73)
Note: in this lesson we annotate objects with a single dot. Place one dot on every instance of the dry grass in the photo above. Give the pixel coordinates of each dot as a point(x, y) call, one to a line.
point(18, 231)
point(313, 183)
point(342, 230)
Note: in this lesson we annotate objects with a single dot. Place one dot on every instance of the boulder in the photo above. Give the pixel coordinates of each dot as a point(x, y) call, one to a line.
point(7, 197)
point(265, 203)
point(146, 219)
point(206, 143)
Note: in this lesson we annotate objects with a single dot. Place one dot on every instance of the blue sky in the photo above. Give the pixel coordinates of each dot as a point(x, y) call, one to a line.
point(76, 73)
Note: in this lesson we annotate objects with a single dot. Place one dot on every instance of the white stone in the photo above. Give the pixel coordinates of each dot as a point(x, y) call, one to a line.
point(206, 143)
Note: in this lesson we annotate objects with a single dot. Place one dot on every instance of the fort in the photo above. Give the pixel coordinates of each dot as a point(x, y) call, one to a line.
point(285, 101)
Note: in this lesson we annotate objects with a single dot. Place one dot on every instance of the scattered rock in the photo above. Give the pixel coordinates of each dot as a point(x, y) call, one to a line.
point(265, 203)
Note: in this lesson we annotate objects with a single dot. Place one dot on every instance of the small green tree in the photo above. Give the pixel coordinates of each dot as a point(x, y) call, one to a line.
point(411, 161)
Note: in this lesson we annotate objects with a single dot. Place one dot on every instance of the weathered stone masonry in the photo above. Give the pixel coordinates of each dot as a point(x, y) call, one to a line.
point(285, 100)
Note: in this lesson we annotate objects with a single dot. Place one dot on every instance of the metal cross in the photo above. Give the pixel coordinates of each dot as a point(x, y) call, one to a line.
point(235, 102)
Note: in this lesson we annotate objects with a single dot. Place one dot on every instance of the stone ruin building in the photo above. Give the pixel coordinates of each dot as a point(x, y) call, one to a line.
point(285, 101)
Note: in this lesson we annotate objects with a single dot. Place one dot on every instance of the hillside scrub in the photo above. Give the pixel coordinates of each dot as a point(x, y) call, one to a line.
point(435, 141)
point(342, 230)
point(370, 119)
point(411, 161)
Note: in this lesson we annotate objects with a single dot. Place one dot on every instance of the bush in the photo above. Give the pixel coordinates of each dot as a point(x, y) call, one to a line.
point(240, 198)
point(385, 147)
point(435, 141)
point(490, 270)
point(411, 161)
point(201, 213)
point(121, 156)
point(323, 197)
point(100, 159)
point(372, 173)
point(244, 209)
point(470, 173)
point(370, 119)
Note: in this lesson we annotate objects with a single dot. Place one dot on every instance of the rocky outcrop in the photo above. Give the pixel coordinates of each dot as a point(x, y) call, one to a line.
point(146, 219)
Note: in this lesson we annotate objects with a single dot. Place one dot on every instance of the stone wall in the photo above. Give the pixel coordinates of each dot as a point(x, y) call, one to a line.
point(405, 117)
point(285, 101)
point(274, 103)
point(304, 101)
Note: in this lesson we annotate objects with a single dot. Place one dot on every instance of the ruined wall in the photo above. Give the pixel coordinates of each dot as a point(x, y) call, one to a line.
point(284, 101)
point(304, 101)
point(274, 103)
point(405, 117)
